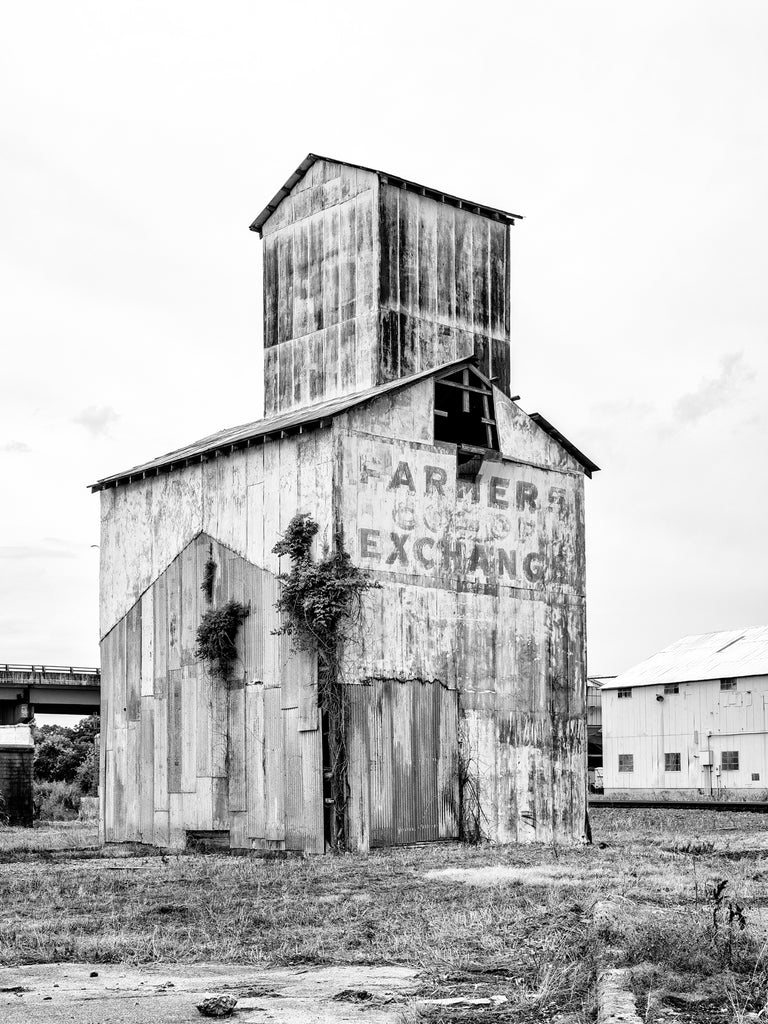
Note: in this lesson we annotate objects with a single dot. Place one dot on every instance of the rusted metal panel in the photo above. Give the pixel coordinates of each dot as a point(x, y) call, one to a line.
point(403, 744)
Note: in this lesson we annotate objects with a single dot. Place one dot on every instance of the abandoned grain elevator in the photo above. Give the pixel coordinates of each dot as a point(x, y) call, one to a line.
point(388, 419)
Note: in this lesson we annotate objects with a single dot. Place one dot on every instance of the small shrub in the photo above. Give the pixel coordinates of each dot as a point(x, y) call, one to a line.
point(56, 801)
point(217, 636)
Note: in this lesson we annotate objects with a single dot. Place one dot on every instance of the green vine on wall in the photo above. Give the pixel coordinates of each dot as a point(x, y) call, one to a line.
point(209, 575)
point(320, 606)
point(217, 636)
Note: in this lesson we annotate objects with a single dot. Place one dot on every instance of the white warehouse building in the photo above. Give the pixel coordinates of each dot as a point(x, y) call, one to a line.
point(691, 722)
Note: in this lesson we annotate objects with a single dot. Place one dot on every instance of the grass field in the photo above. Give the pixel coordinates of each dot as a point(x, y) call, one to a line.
point(533, 924)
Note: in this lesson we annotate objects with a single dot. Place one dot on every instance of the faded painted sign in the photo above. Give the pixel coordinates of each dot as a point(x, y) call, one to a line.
point(511, 524)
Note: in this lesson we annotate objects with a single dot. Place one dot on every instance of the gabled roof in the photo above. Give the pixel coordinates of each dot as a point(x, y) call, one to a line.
point(225, 441)
point(441, 197)
point(725, 655)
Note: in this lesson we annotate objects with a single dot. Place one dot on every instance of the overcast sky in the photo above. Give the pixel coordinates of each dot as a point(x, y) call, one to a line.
point(138, 140)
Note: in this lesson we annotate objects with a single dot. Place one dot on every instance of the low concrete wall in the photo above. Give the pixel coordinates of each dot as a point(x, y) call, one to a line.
point(16, 757)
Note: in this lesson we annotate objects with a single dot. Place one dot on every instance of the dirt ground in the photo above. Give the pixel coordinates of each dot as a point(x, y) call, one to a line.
point(680, 898)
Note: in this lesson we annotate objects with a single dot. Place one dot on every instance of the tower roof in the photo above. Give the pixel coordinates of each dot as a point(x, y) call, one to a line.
point(442, 197)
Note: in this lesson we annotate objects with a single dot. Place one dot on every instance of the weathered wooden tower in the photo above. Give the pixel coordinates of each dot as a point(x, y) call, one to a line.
point(388, 419)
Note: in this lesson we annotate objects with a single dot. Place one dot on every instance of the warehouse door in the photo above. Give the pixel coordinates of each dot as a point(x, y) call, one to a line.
point(409, 731)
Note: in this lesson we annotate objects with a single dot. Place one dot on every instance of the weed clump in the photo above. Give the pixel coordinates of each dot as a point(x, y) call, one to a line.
point(217, 636)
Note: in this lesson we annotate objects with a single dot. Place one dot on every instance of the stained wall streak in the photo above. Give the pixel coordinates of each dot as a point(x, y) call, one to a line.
point(442, 286)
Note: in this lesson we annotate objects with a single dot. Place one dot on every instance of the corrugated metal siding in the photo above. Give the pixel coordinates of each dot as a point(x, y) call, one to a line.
point(405, 748)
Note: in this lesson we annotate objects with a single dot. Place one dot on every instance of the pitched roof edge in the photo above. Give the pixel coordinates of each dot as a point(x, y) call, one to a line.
point(226, 441)
point(311, 158)
point(588, 465)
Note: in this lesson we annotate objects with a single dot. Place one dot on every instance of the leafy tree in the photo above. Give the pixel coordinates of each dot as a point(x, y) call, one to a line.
point(61, 753)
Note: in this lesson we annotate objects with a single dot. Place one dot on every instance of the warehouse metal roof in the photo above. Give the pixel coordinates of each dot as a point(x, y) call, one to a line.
point(413, 186)
point(296, 422)
point(724, 655)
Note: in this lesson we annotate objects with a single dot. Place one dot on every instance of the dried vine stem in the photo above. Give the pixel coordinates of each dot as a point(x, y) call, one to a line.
point(320, 606)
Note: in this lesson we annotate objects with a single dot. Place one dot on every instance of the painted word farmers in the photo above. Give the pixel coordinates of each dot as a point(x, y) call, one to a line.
point(499, 526)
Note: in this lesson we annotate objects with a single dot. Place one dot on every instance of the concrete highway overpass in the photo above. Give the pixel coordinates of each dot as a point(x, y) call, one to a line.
point(47, 690)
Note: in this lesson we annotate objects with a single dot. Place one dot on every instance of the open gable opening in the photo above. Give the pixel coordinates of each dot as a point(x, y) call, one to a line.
point(465, 416)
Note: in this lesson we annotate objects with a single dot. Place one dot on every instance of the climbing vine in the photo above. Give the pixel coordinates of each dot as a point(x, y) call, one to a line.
point(320, 606)
point(217, 636)
point(209, 575)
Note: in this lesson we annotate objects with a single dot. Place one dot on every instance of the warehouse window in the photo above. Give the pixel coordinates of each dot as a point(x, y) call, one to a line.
point(671, 688)
point(671, 762)
point(755, 776)
point(626, 762)
point(729, 761)
point(727, 684)
point(624, 691)
point(464, 412)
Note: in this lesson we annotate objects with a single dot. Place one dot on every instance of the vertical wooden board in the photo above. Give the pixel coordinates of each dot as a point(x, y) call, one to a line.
point(427, 260)
point(445, 245)
point(146, 776)
point(131, 780)
point(204, 742)
point(161, 829)
point(270, 291)
point(198, 806)
point(498, 234)
point(190, 579)
point(330, 357)
point(316, 301)
point(285, 285)
point(160, 743)
point(274, 785)
point(410, 344)
point(301, 311)
point(160, 642)
point(313, 379)
point(311, 752)
point(238, 787)
point(448, 763)
point(295, 826)
point(174, 725)
point(173, 582)
point(347, 260)
point(464, 270)
point(348, 355)
point(177, 835)
point(271, 380)
point(359, 775)
point(364, 254)
point(309, 710)
point(133, 663)
point(271, 504)
point(389, 287)
point(330, 266)
point(255, 758)
point(480, 277)
point(147, 619)
point(408, 221)
point(285, 376)
point(500, 363)
point(189, 727)
point(238, 831)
